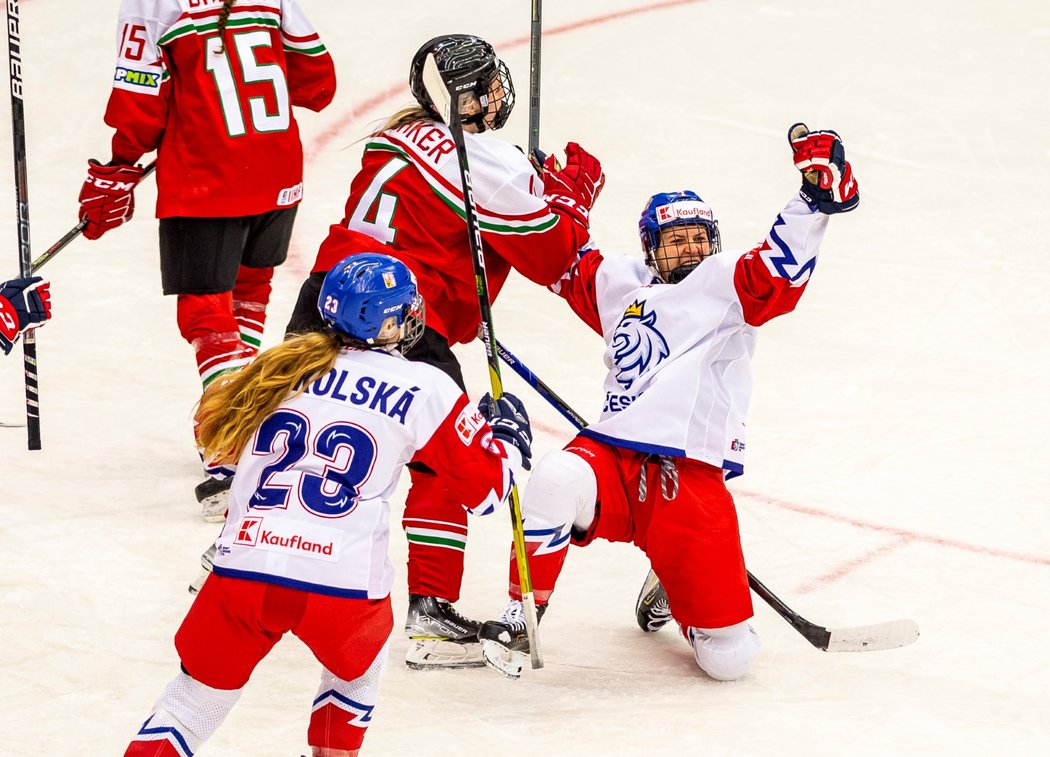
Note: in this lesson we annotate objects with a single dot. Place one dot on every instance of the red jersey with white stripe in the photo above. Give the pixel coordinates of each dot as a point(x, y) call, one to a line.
point(309, 507)
point(408, 196)
point(218, 112)
point(679, 355)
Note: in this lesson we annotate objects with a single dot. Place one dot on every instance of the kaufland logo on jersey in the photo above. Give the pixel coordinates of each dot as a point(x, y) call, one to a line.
point(248, 532)
point(292, 537)
point(684, 211)
point(469, 422)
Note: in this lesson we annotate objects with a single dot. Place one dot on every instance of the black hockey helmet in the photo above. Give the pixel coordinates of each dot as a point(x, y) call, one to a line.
point(468, 65)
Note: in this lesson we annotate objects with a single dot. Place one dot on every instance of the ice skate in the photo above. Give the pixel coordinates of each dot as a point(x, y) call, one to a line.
point(505, 642)
point(439, 637)
point(652, 610)
point(214, 495)
point(206, 564)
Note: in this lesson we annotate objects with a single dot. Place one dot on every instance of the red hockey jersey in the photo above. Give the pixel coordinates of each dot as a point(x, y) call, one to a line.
point(409, 198)
point(218, 112)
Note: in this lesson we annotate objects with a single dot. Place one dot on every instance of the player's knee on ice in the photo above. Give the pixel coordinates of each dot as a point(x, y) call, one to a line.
point(725, 654)
point(562, 489)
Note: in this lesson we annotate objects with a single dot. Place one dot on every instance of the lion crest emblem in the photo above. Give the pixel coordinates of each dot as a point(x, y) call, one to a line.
point(637, 344)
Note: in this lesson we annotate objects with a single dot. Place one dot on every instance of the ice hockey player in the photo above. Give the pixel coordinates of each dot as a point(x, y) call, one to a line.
point(25, 303)
point(322, 426)
point(210, 86)
point(681, 328)
point(408, 197)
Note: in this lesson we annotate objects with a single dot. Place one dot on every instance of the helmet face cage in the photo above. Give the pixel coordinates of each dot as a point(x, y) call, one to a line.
point(669, 209)
point(470, 68)
point(363, 290)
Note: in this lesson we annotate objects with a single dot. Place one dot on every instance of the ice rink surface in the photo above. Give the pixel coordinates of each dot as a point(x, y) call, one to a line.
point(897, 447)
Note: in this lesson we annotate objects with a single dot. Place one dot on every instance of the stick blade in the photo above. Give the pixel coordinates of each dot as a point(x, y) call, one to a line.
point(436, 89)
point(890, 635)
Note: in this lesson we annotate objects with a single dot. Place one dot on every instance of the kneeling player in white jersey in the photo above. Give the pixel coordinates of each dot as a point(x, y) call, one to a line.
point(321, 427)
point(681, 330)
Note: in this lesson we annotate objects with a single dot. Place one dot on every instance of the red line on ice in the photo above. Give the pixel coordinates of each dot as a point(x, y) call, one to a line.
point(902, 533)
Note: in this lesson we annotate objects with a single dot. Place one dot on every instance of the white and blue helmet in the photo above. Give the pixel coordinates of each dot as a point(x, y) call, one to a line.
point(667, 209)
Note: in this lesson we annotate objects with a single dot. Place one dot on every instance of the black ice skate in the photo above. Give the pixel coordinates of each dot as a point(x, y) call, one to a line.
point(505, 642)
point(652, 610)
point(439, 637)
point(214, 495)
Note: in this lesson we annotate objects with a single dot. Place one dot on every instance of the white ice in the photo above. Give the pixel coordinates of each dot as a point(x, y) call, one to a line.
point(898, 447)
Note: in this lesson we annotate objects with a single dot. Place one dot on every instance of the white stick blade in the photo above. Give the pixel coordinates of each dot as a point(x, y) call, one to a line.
point(891, 635)
point(435, 87)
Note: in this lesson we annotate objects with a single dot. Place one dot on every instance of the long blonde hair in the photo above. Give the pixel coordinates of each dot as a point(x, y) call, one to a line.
point(235, 406)
point(402, 117)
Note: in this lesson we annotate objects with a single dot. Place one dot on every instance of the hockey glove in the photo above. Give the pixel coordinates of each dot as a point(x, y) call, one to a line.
point(828, 185)
point(107, 198)
point(574, 188)
point(24, 304)
point(510, 424)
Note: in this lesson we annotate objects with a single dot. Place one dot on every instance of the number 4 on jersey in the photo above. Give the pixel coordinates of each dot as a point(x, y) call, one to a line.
point(374, 214)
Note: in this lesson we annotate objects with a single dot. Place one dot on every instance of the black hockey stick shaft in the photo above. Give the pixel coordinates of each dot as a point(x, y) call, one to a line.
point(442, 96)
point(898, 633)
point(25, 258)
point(535, 40)
point(73, 233)
point(545, 391)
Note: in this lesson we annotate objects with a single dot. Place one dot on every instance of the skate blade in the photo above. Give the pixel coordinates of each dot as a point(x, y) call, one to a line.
point(503, 660)
point(428, 653)
point(213, 509)
point(198, 582)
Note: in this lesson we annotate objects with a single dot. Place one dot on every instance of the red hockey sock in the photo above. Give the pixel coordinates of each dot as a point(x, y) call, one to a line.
point(206, 321)
point(436, 526)
point(546, 553)
point(251, 295)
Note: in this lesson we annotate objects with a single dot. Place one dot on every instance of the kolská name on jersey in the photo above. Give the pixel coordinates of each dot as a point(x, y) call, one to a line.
point(368, 392)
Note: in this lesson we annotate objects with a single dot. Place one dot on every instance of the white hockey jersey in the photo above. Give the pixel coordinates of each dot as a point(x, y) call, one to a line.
point(309, 506)
point(679, 355)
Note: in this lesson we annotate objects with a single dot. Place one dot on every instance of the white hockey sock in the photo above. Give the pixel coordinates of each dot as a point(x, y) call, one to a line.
point(187, 714)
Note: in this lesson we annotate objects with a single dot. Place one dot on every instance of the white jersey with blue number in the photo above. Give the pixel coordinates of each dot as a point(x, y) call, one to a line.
point(309, 506)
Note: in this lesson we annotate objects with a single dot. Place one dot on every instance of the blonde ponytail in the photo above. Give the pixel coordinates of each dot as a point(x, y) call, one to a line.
point(234, 407)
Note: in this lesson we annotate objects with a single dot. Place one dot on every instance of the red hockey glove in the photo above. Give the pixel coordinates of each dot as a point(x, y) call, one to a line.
point(24, 304)
point(107, 198)
point(575, 187)
point(828, 185)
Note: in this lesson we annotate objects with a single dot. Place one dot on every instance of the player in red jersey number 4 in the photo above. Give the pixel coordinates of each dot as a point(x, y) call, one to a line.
point(408, 197)
point(681, 328)
point(325, 424)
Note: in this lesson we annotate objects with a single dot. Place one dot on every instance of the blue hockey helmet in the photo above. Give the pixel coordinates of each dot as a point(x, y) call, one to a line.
point(363, 290)
point(668, 209)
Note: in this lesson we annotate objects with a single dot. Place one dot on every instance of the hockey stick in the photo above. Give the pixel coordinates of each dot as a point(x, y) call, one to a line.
point(442, 98)
point(18, 139)
point(534, 75)
point(889, 635)
point(75, 232)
